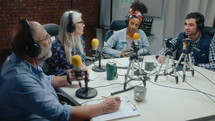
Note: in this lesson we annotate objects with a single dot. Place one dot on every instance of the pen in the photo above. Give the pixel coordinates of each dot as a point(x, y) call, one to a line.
point(117, 62)
point(132, 106)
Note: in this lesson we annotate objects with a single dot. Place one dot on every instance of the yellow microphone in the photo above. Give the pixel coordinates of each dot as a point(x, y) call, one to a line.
point(95, 44)
point(185, 43)
point(134, 45)
point(136, 36)
point(77, 62)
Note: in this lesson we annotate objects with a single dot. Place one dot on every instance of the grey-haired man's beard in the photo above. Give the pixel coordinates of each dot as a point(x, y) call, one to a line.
point(44, 54)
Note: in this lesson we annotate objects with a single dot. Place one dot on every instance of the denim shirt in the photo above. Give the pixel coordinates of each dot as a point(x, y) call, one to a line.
point(118, 43)
point(28, 93)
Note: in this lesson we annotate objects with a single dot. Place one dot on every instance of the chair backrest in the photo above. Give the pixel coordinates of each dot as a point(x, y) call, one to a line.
point(115, 25)
point(118, 24)
point(4, 53)
point(121, 24)
point(208, 31)
point(52, 29)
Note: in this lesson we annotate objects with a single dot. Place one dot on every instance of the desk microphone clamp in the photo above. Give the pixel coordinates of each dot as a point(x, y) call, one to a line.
point(87, 92)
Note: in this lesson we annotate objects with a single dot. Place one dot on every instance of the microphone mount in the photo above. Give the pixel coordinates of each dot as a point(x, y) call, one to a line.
point(87, 92)
point(100, 68)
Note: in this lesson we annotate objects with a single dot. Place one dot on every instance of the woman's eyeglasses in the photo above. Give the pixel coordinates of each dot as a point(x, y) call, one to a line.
point(80, 22)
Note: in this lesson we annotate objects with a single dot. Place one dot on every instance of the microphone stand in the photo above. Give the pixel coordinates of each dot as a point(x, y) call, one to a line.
point(168, 55)
point(186, 55)
point(99, 68)
point(87, 92)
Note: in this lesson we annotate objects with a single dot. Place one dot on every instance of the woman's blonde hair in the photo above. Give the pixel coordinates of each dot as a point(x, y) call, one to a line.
point(69, 40)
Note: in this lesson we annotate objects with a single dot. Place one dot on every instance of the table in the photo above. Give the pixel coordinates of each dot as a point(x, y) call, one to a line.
point(162, 102)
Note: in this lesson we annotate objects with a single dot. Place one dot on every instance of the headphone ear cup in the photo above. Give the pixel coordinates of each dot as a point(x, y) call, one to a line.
point(201, 21)
point(201, 26)
point(32, 49)
point(127, 19)
point(70, 27)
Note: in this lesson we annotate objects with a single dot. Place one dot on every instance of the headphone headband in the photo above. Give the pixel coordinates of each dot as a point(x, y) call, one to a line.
point(70, 26)
point(200, 20)
point(32, 49)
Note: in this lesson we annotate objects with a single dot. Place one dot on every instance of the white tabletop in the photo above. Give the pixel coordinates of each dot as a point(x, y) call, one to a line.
point(165, 100)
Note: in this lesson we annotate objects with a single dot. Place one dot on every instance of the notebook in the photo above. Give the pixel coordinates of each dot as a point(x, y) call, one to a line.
point(126, 109)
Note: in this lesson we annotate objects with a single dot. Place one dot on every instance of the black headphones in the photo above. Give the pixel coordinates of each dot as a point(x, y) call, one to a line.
point(200, 20)
point(32, 49)
point(131, 16)
point(127, 19)
point(70, 26)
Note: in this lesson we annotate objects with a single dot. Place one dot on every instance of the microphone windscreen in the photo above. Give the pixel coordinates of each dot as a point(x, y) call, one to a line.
point(76, 60)
point(95, 42)
point(185, 43)
point(136, 36)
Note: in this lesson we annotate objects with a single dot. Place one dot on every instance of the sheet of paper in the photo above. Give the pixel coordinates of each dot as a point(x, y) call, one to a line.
point(121, 62)
point(126, 109)
point(93, 76)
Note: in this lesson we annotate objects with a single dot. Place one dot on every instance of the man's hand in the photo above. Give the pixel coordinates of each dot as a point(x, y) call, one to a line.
point(126, 53)
point(160, 59)
point(111, 104)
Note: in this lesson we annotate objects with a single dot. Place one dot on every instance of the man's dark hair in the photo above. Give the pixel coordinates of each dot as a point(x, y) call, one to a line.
point(199, 19)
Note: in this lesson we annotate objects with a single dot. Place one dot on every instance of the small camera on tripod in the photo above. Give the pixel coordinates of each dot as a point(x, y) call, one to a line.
point(169, 44)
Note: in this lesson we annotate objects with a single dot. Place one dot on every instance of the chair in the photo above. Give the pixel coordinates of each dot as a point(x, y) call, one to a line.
point(52, 29)
point(115, 25)
point(4, 53)
point(209, 31)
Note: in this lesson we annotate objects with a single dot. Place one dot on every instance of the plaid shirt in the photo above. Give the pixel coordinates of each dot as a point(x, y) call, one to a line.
point(210, 65)
point(57, 62)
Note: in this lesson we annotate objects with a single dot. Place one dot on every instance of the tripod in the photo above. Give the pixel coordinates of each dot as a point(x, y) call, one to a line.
point(168, 55)
point(133, 58)
point(186, 56)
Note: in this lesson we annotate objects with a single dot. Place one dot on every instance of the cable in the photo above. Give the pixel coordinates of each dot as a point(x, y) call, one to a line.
point(208, 95)
point(109, 85)
point(197, 90)
point(202, 74)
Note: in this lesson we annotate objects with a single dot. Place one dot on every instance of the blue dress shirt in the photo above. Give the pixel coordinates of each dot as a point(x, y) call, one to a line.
point(27, 93)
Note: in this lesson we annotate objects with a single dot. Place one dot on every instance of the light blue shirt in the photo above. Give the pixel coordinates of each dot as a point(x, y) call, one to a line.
point(118, 43)
point(27, 93)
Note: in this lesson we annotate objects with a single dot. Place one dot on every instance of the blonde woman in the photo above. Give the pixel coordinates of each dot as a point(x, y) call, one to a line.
point(68, 43)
